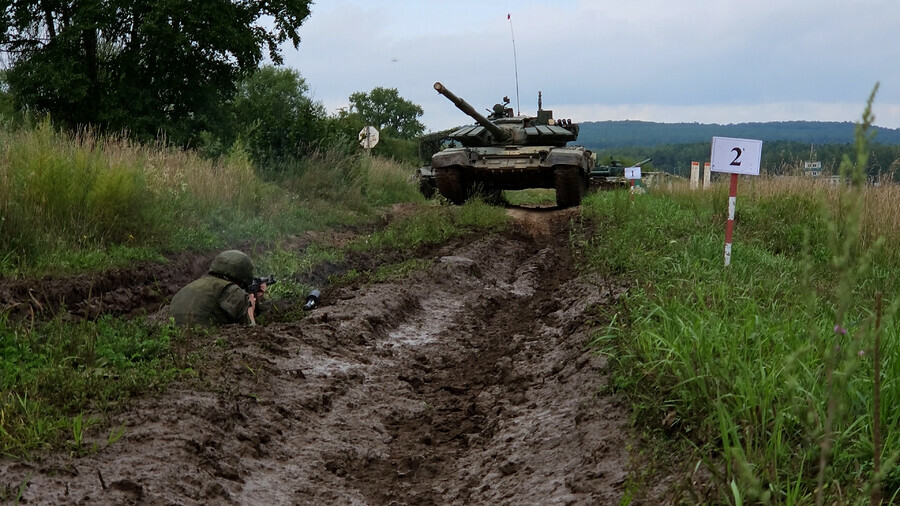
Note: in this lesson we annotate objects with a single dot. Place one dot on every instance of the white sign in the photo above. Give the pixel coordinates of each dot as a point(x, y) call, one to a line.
point(632, 172)
point(736, 156)
point(368, 137)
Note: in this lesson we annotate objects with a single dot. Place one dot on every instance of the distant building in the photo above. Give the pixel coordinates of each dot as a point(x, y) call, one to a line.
point(812, 169)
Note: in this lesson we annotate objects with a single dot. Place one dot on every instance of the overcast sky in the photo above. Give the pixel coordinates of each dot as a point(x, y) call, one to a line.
point(706, 61)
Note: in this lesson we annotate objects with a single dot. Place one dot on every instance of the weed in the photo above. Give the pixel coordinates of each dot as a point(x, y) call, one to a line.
point(115, 434)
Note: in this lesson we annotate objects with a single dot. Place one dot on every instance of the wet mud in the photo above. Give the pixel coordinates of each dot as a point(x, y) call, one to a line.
point(470, 382)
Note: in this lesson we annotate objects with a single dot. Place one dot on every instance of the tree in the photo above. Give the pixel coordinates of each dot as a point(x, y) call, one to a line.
point(384, 109)
point(142, 65)
point(273, 115)
point(7, 110)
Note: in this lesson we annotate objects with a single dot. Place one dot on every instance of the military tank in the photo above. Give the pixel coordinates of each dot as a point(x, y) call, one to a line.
point(507, 152)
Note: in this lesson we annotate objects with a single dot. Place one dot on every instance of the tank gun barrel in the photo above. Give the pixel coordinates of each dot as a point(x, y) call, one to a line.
point(462, 105)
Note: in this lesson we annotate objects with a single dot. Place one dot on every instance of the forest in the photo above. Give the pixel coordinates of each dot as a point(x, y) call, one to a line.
point(786, 145)
point(778, 157)
point(614, 134)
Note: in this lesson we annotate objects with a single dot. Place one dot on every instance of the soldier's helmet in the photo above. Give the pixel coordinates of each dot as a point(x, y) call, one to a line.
point(233, 264)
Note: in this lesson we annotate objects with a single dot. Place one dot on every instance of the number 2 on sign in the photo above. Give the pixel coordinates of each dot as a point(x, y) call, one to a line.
point(736, 156)
point(735, 162)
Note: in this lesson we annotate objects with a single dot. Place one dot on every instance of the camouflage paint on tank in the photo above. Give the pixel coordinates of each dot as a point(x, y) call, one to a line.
point(506, 152)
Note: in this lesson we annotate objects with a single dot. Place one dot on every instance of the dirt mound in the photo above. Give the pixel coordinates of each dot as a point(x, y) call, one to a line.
point(142, 288)
point(468, 383)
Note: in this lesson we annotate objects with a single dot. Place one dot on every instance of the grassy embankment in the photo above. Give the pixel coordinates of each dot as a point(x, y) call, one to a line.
point(765, 370)
point(85, 204)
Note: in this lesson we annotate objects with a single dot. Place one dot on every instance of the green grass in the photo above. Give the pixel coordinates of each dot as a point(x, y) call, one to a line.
point(434, 225)
point(536, 196)
point(399, 270)
point(765, 367)
point(58, 378)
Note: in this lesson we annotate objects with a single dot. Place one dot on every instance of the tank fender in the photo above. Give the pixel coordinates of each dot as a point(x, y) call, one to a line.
point(450, 157)
point(568, 156)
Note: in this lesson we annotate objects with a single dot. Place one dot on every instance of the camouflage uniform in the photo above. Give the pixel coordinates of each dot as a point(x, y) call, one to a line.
point(219, 298)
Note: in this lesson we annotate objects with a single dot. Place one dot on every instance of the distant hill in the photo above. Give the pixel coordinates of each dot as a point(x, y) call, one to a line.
point(614, 134)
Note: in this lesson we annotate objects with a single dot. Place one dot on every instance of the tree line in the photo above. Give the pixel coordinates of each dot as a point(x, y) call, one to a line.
point(190, 73)
point(610, 134)
point(779, 157)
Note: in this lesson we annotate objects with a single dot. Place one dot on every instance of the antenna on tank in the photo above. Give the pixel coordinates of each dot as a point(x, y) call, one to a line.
point(515, 62)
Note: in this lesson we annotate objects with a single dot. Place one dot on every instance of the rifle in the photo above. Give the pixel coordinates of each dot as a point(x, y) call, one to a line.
point(254, 286)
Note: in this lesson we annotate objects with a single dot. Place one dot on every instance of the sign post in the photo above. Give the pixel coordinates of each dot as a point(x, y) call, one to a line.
point(632, 173)
point(368, 138)
point(734, 156)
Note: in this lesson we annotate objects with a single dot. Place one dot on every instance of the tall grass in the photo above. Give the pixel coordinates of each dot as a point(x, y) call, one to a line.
point(86, 202)
point(766, 367)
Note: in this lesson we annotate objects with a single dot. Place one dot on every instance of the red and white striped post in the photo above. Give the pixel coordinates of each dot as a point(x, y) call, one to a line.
point(735, 156)
point(729, 226)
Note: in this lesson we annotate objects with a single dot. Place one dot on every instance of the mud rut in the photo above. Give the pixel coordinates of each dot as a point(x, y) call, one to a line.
point(469, 383)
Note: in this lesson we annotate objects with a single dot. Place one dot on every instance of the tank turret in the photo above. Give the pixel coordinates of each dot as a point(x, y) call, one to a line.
point(499, 135)
point(502, 128)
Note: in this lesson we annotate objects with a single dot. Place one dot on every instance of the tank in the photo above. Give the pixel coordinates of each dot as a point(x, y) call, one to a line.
point(507, 152)
point(612, 175)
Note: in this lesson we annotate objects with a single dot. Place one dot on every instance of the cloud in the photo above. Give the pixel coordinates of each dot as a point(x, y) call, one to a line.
point(818, 59)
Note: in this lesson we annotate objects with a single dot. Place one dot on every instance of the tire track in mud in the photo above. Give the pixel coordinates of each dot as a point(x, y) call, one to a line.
point(468, 383)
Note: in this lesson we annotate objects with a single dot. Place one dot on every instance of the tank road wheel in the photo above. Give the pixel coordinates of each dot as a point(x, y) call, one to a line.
point(570, 186)
point(449, 183)
point(427, 186)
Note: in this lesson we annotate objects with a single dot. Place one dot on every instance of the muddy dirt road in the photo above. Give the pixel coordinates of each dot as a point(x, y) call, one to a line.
point(468, 383)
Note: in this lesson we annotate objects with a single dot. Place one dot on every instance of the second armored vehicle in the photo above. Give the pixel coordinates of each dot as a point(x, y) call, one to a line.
point(506, 152)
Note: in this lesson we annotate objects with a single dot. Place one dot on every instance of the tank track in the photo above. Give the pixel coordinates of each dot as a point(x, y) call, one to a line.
point(570, 186)
point(450, 184)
